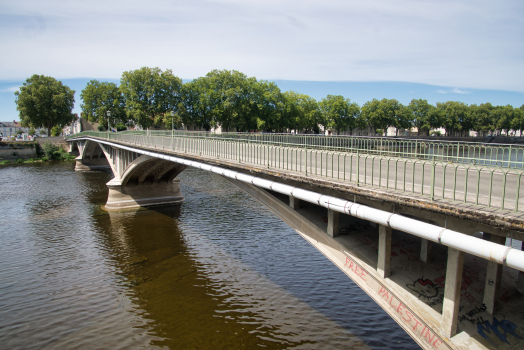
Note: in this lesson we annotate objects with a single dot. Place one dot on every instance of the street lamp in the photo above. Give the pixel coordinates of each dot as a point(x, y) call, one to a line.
point(172, 125)
point(108, 126)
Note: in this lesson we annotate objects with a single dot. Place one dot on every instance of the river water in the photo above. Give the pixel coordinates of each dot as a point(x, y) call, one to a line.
point(218, 272)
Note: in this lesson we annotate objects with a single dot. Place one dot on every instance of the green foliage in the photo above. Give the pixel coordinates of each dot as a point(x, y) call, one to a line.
point(121, 127)
point(44, 102)
point(49, 149)
point(99, 98)
point(339, 113)
point(101, 128)
point(56, 130)
point(32, 131)
point(148, 92)
point(6, 162)
point(19, 160)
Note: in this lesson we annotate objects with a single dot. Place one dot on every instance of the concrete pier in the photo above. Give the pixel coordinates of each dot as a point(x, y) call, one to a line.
point(384, 251)
point(126, 197)
point(452, 292)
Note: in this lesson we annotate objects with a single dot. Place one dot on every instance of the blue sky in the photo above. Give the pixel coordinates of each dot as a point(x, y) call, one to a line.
point(470, 51)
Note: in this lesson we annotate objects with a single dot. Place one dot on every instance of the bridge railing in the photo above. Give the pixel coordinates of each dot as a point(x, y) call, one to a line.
point(476, 153)
point(476, 180)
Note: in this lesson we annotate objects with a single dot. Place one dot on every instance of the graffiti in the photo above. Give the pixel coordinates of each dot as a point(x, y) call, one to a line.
point(424, 288)
point(506, 326)
point(352, 229)
point(437, 301)
point(409, 318)
point(467, 315)
point(353, 267)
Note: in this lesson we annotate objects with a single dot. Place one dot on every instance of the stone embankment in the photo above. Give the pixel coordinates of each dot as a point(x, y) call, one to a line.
point(18, 150)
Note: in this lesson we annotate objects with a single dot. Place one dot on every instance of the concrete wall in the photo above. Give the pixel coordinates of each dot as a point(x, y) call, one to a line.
point(18, 151)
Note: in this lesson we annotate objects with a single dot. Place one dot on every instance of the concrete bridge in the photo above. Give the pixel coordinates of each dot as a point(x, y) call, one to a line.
point(433, 237)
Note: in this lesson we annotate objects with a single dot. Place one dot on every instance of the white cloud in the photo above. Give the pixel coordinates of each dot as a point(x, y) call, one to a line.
point(460, 91)
point(442, 91)
point(467, 44)
point(10, 89)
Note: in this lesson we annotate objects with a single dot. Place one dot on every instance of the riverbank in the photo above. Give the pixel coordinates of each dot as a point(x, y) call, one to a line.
point(42, 150)
point(37, 160)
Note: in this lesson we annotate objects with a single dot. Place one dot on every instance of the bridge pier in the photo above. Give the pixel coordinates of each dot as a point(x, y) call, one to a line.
point(333, 228)
point(384, 251)
point(493, 276)
point(453, 284)
point(520, 280)
point(425, 250)
point(144, 195)
point(294, 203)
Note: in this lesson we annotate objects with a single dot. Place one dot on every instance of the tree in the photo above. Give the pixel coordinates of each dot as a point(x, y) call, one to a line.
point(99, 98)
point(454, 117)
point(385, 113)
point(199, 103)
point(268, 103)
point(45, 102)
point(301, 111)
point(339, 113)
point(504, 116)
point(149, 92)
point(421, 111)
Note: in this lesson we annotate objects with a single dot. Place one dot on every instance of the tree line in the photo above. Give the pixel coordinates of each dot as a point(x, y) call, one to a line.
point(152, 98)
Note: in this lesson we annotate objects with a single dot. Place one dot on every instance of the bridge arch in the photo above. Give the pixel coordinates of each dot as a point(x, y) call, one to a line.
point(139, 180)
point(91, 156)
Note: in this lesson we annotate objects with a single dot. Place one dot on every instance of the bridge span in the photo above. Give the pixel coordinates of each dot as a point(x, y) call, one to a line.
point(447, 266)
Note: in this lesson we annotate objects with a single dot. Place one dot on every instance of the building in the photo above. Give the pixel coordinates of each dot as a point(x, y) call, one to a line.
point(12, 128)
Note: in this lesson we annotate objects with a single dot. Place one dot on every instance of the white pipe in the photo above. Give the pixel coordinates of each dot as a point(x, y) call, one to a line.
point(475, 246)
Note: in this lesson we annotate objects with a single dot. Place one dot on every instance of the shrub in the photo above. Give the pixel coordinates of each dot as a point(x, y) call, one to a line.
point(19, 160)
point(44, 159)
point(120, 127)
point(6, 162)
point(49, 149)
point(101, 128)
point(30, 160)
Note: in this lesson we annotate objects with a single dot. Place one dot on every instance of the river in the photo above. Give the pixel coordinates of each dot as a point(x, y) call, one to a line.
point(219, 271)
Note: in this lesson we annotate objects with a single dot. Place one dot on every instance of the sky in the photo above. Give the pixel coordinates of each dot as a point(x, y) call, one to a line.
point(460, 50)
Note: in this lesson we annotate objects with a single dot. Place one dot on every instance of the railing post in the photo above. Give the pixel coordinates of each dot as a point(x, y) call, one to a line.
point(433, 180)
point(358, 168)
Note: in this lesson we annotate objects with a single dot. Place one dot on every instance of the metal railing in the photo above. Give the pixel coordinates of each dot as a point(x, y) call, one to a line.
point(480, 174)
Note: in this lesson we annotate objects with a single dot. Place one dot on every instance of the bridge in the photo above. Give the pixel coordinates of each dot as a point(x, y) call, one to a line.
point(431, 230)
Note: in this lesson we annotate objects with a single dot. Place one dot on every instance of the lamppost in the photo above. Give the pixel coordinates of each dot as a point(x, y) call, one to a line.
point(172, 125)
point(108, 126)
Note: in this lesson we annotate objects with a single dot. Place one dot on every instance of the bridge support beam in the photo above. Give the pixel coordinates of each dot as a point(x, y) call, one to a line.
point(425, 250)
point(333, 227)
point(294, 203)
point(452, 288)
point(520, 280)
point(384, 251)
point(493, 276)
